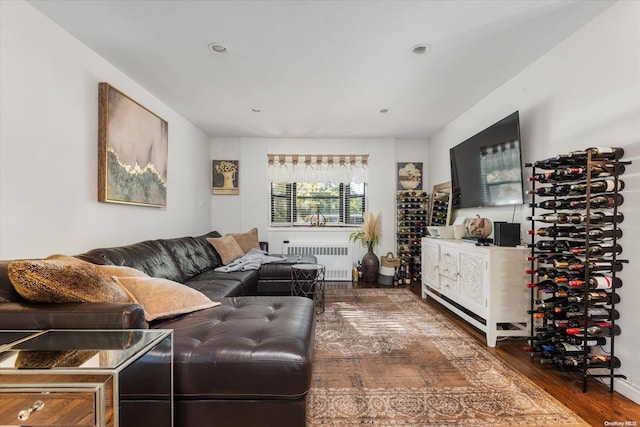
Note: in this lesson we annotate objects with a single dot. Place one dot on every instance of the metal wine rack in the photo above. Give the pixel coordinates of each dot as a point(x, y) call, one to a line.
point(565, 254)
point(412, 217)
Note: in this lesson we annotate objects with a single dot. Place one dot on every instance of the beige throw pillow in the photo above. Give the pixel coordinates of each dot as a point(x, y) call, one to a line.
point(227, 248)
point(121, 271)
point(163, 298)
point(64, 279)
point(248, 240)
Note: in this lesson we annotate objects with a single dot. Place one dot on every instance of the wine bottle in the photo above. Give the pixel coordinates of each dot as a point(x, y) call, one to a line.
point(599, 153)
point(559, 218)
point(577, 218)
point(598, 202)
point(554, 162)
point(556, 332)
point(557, 277)
point(594, 266)
point(599, 361)
point(547, 286)
point(552, 204)
point(558, 299)
point(578, 173)
point(598, 250)
point(559, 292)
point(596, 313)
point(602, 186)
point(547, 258)
point(597, 171)
point(555, 245)
point(553, 190)
point(591, 341)
point(566, 262)
point(597, 282)
point(596, 233)
point(595, 331)
point(555, 231)
point(604, 217)
point(560, 348)
point(567, 349)
point(600, 297)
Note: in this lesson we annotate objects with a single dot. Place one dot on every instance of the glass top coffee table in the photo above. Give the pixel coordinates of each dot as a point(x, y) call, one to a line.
point(85, 377)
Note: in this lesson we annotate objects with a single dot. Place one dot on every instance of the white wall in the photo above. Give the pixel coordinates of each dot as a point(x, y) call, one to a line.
point(583, 93)
point(48, 148)
point(253, 200)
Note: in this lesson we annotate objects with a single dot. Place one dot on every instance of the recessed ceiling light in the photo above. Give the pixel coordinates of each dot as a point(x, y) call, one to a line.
point(385, 110)
point(256, 110)
point(218, 48)
point(420, 49)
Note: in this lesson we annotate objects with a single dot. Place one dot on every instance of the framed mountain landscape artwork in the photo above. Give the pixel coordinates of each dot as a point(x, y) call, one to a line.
point(132, 151)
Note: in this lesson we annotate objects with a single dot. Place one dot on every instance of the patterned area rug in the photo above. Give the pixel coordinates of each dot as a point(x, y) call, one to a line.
point(385, 358)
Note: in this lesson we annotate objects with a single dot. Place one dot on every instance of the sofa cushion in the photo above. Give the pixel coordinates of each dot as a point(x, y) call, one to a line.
point(64, 280)
point(248, 240)
point(217, 289)
point(217, 283)
point(193, 255)
point(162, 298)
point(150, 256)
point(227, 248)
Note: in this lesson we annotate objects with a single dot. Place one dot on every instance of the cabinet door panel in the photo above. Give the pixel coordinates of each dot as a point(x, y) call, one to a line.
point(471, 284)
point(430, 259)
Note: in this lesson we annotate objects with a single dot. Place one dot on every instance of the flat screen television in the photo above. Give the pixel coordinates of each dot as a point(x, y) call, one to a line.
point(486, 169)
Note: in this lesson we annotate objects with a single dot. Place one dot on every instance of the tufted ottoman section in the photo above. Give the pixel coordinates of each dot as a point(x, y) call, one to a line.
point(247, 348)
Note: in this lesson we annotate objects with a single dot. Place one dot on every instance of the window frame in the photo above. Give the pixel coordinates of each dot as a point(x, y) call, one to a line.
point(345, 197)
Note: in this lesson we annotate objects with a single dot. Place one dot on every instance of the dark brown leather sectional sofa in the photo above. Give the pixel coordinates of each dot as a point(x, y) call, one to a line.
point(246, 362)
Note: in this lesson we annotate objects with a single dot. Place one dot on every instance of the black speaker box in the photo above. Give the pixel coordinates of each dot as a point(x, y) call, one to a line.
point(506, 234)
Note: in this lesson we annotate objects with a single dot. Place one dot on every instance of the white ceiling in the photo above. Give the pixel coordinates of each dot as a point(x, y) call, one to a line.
point(321, 69)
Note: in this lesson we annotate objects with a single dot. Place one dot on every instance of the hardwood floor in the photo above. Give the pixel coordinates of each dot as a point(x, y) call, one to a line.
point(598, 406)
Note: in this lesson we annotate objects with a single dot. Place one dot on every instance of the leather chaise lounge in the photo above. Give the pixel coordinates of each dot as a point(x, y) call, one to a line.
point(246, 362)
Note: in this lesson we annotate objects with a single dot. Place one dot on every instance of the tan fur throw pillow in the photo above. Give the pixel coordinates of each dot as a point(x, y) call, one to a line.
point(227, 248)
point(64, 279)
point(162, 298)
point(248, 240)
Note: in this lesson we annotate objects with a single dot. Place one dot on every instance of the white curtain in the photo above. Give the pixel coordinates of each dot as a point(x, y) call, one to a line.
point(318, 168)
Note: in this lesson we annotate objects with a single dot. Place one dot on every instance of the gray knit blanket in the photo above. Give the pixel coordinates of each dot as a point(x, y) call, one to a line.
point(252, 260)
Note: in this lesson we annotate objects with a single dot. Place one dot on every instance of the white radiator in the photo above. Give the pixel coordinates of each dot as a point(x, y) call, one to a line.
point(336, 258)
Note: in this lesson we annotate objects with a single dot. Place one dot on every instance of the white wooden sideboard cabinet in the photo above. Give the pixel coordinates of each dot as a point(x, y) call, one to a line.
point(485, 285)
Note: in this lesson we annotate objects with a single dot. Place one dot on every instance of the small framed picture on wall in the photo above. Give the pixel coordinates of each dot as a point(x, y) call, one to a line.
point(409, 176)
point(225, 177)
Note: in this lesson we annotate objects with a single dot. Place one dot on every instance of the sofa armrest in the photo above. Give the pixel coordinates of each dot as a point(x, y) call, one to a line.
point(17, 315)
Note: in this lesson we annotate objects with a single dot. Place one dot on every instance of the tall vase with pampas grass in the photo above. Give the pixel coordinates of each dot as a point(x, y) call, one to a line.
point(369, 235)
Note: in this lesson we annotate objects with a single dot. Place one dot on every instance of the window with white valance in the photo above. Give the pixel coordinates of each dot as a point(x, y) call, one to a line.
point(307, 189)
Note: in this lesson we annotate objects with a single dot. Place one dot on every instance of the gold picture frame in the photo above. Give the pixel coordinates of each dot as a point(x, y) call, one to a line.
point(132, 151)
point(224, 177)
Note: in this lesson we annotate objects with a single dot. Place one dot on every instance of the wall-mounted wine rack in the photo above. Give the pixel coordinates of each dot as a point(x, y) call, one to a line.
point(412, 227)
point(575, 261)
